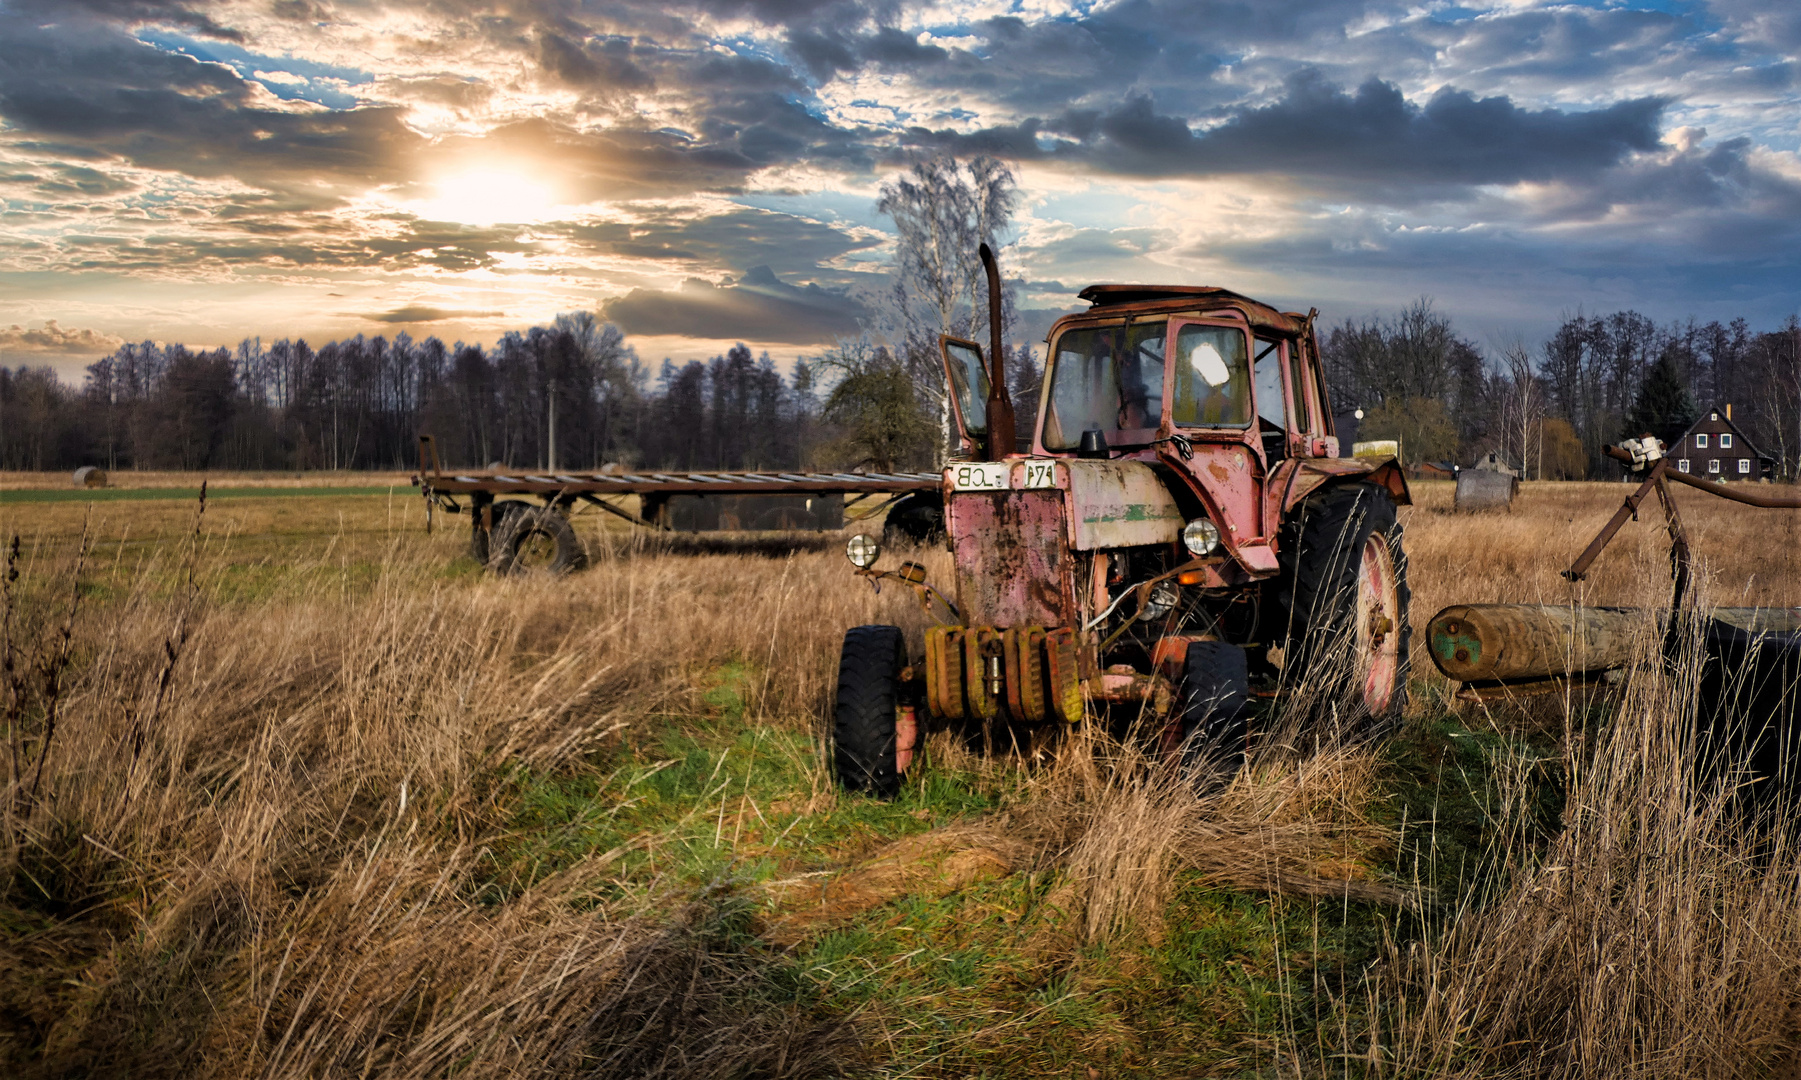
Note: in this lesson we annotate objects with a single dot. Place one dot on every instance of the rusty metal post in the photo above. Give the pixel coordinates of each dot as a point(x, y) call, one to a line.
point(1000, 404)
point(1579, 569)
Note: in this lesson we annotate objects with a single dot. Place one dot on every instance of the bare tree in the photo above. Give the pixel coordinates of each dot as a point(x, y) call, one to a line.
point(1523, 408)
point(943, 210)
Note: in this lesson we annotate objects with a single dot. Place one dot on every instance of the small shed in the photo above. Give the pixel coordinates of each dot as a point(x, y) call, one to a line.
point(1494, 462)
point(1434, 470)
point(90, 476)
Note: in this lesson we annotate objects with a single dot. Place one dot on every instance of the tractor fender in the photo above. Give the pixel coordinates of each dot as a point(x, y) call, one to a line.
point(1311, 475)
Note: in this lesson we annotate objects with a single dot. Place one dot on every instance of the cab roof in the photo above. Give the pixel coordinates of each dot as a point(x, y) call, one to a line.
point(1177, 297)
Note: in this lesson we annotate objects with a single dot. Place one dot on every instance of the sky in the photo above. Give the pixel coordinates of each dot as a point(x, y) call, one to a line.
point(702, 172)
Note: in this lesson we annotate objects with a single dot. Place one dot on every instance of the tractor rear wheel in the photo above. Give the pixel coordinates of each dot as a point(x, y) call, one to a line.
point(535, 539)
point(1345, 597)
point(864, 716)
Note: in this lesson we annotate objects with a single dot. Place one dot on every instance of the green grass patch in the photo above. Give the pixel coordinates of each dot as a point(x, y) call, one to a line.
point(965, 985)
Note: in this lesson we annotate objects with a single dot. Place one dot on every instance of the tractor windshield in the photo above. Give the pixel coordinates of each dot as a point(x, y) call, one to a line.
point(1106, 377)
point(1213, 381)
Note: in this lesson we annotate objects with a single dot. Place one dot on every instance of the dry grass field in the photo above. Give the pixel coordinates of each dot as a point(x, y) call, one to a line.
point(293, 789)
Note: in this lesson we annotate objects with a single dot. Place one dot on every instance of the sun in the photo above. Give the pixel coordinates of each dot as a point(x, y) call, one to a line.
point(490, 197)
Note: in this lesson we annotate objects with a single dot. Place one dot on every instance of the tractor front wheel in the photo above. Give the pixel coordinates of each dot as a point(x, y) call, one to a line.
point(864, 718)
point(1345, 597)
point(1216, 707)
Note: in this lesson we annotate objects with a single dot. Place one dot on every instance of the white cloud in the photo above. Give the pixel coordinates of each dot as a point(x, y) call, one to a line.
point(52, 338)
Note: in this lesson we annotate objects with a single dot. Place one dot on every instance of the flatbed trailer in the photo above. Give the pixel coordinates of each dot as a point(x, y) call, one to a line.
point(495, 536)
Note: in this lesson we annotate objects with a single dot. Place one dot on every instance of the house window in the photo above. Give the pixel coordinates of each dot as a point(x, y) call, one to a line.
point(1744, 466)
point(1700, 442)
point(1713, 416)
point(1713, 464)
point(1725, 441)
point(1682, 465)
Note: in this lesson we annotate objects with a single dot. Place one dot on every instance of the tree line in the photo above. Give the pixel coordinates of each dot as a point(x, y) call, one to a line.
point(360, 403)
point(1554, 408)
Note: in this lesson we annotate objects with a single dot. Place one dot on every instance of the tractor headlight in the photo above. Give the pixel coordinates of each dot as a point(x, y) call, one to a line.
point(1201, 537)
point(862, 551)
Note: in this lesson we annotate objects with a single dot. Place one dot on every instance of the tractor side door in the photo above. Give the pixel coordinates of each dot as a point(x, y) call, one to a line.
point(1213, 402)
point(968, 382)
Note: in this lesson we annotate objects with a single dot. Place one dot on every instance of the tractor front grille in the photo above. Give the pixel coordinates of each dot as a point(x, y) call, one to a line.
point(1014, 567)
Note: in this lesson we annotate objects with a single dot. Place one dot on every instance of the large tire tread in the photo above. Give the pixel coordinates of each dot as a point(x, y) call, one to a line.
point(1322, 541)
point(519, 525)
point(863, 716)
point(1216, 708)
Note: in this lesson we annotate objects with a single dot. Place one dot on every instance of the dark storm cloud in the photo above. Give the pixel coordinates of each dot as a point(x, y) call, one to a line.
point(133, 12)
point(599, 62)
point(417, 313)
point(1371, 141)
point(789, 245)
point(97, 89)
point(758, 307)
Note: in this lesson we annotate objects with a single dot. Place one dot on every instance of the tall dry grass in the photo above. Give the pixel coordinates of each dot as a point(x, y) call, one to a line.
point(1657, 934)
point(262, 841)
point(262, 830)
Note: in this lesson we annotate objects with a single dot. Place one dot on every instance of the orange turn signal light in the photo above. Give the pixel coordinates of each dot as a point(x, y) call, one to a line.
point(1192, 577)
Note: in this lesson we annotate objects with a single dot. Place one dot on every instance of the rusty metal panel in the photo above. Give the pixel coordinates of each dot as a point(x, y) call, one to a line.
point(1115, 504)
point(1012, 566)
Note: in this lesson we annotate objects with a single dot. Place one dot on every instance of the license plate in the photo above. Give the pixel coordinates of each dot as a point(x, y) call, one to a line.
point(1039, 474)
point(979, 476)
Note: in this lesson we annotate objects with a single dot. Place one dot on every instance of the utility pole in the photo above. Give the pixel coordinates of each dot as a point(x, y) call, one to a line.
point(552, 457)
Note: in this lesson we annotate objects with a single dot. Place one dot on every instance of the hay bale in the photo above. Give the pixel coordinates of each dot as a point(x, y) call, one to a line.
point(88, 476)
point(1482, 489)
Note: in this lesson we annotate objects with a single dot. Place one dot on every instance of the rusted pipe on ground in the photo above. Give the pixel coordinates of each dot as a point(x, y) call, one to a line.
point(1499, 642)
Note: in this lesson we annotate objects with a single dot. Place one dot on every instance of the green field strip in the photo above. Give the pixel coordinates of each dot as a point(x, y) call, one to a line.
point(52, 495)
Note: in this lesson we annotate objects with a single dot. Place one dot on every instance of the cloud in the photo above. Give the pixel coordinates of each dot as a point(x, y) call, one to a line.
point(1373, 142)
point(133, 13)
point(119, 98)
point(52, 338)
point(419, 313)
point(758, 307)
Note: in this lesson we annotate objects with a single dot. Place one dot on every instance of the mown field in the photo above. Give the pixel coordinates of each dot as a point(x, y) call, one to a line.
point(293, 789)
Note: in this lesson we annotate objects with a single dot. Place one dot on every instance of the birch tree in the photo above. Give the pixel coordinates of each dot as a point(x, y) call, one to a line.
point(943, 210)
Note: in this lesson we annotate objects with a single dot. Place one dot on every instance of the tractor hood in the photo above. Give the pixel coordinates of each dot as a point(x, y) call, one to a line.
point(1115, 504)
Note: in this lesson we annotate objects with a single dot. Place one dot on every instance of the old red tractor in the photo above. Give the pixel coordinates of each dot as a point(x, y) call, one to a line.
point(1174, 538)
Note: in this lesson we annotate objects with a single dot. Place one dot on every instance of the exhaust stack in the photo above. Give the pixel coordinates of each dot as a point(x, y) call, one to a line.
point(1000, 404)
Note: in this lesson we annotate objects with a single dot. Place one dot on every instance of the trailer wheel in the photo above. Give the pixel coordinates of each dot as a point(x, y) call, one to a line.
point(479, 538)
point(863, 718)
point(535, 539)
point(1216, 708)
point(1344, 597)
point(917, 519)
